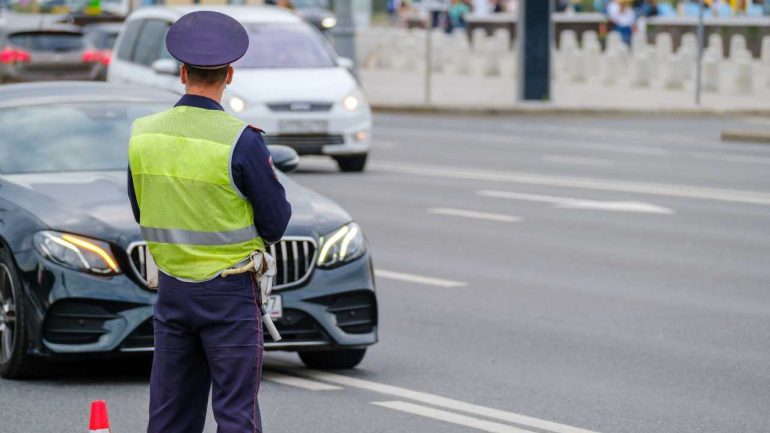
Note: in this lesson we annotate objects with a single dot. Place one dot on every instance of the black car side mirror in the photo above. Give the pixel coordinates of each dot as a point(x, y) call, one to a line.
point(284, 157)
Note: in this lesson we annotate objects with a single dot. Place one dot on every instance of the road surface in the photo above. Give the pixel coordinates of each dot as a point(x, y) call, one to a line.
point(535, 274)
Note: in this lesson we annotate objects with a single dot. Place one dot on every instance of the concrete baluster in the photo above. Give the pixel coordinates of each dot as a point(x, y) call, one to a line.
point(689, 52)
point(716, 44)
point(642, 68)
point(576, 65)
point(477, 39)
point(675, 72)
point(592, 51)
point(711, 64)
point(737, 45)
point(612, 67)
point(743, 84)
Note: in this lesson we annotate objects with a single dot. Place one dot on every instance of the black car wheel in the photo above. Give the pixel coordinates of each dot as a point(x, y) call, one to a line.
point(333, 359)
point(13, 339)
point(353, 163)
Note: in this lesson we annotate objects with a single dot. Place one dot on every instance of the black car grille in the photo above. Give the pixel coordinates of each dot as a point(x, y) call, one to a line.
point(296, 326)
point(305, 144)
point(300, 107)
point(295, 257)
point(356, 312)
point(72, 322)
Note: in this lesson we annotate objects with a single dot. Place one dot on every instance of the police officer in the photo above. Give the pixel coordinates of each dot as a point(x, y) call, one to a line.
point(203, 189)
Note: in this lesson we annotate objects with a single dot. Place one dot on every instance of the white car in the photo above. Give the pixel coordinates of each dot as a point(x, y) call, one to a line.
point(290, 83)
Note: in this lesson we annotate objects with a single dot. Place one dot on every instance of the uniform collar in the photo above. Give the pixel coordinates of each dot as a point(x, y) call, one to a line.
point(199, 102)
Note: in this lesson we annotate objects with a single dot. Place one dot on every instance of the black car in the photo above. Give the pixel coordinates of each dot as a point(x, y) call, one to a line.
point(72, 276)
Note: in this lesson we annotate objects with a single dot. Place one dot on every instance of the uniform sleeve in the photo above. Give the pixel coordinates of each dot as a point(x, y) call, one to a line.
point(255, 178)
point(132, 196)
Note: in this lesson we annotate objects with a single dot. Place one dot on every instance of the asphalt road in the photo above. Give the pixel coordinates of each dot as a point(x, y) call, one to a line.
point(541, 274)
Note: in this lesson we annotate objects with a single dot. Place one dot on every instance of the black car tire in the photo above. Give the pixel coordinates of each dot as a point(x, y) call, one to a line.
point(353, 163)
point(333, 359)
point(16, 363)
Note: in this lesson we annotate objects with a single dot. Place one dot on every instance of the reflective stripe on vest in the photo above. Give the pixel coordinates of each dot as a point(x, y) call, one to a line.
point(190, 237)
point(194, 219)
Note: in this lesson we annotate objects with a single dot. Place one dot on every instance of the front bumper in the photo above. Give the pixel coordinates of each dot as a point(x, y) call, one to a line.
point(70, 313)
point(347, 133)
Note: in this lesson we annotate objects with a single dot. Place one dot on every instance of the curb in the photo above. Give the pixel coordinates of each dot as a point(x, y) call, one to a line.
point(746, 136)
point(537, 109)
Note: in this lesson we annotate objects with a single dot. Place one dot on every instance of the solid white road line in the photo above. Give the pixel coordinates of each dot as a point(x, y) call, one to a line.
point(512, 139)
point(577, 203)
point(435, 400)
point(745, 159)
point(728, 195)
point(574, 160)
point(417, 279)
point(442, 415)
point(473, 214)
point(298, 382)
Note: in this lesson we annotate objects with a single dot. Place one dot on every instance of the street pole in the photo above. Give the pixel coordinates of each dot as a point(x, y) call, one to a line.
point(699, 57)
point(534, 39)
point(345, 30)
point(428, 62)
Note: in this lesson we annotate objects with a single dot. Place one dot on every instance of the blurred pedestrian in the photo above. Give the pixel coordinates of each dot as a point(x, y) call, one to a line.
point(457, 11)
point(286, 4)
point(623, 18)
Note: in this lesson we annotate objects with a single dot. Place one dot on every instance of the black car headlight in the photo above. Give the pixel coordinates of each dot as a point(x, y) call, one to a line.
point(342, 245)
point(76, 252)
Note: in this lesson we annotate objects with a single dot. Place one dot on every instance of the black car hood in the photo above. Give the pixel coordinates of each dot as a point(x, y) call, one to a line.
point(96, 204)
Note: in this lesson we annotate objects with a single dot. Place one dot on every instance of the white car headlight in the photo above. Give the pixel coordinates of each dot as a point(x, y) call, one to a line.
point(342, 245)
point(237, 104)
point(76, 252)
point(328, 22)
point(351, 103)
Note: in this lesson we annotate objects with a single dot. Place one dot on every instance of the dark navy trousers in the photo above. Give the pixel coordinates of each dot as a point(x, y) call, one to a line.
point(208, 338)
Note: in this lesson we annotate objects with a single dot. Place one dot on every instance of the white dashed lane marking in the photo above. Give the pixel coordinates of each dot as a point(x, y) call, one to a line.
point(660, 189)
point(417, 279)
point(298, 382)
point(437, 401)
point(450, 417)
point(465, 213)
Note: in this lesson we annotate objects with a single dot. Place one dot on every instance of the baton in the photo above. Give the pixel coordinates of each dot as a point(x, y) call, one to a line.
point(268, 321)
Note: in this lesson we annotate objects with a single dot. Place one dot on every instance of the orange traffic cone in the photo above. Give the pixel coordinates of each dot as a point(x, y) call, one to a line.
point(99, 422)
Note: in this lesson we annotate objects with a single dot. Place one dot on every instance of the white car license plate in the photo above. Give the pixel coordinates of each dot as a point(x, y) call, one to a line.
point(303, 126)
point(275, 306)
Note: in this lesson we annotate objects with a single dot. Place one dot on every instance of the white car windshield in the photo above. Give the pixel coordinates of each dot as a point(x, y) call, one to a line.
point(285, 46)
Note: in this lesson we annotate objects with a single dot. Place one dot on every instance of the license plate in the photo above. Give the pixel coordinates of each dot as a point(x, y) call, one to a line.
point(275, 306)
point(302, 126)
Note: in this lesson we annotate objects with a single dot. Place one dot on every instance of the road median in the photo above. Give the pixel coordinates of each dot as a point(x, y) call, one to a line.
point(746, 136)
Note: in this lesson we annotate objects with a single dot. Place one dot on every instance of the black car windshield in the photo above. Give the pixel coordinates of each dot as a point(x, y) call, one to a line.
point(73, 137)
point(285, 46)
